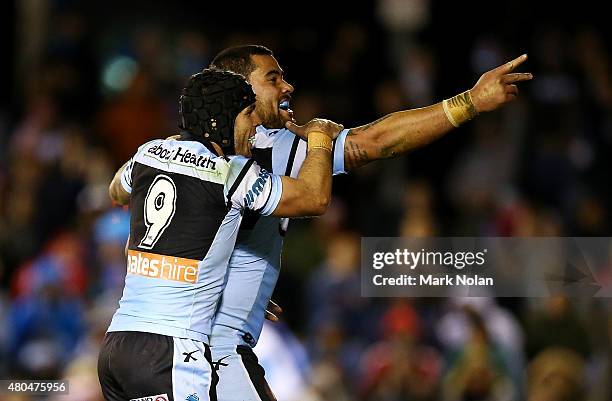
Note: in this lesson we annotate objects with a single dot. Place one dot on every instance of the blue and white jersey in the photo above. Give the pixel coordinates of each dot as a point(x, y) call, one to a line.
point(255, 263)
point(186, 207)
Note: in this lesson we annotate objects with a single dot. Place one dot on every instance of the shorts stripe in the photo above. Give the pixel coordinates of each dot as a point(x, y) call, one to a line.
point(212, 393)
point(255, 373)
point(248, 378)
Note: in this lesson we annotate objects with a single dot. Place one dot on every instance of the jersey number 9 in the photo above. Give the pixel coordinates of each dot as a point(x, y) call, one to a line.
point(159, 208)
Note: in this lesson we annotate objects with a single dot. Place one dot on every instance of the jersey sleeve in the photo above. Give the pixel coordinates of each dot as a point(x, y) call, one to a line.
point(338, 162)
point(251, 187)
point(126, 176)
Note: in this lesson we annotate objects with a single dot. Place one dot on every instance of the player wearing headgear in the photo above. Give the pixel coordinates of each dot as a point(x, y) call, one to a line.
point(187, 198)
point(255, 263)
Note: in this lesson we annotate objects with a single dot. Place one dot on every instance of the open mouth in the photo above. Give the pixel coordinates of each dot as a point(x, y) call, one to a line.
point(284, 105)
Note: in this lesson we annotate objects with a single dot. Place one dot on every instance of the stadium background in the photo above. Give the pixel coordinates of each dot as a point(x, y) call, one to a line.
point(83, 84)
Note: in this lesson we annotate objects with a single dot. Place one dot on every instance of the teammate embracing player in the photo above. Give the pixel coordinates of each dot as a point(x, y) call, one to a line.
point(255, 263)
point(187, 199)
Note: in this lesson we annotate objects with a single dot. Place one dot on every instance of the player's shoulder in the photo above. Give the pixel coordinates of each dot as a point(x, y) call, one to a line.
point(147, 145)
point(176, 150)
point(245, 182)
point(241, 167)
point(190, 158)
point(238, 163)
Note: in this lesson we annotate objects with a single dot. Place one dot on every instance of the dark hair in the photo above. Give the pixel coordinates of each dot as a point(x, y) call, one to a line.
point(238, 58)
point(209, 104)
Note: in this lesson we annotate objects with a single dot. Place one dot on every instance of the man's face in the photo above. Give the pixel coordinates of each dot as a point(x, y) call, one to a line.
point(273, 92)
point(244, 130)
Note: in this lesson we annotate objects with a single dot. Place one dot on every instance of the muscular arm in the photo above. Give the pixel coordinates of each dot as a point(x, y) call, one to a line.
point(309, 194)
point(116, 191)
point(398, 133)
point(394, 134)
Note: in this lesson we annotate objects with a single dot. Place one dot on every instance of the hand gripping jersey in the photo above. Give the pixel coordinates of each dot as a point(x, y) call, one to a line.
point(255, 263)
point(186, 207)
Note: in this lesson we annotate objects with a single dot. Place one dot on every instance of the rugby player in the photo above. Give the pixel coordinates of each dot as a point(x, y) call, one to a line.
point(255, 262)
point(187, 198)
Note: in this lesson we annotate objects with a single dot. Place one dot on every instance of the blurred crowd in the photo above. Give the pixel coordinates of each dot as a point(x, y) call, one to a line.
point(94, 91)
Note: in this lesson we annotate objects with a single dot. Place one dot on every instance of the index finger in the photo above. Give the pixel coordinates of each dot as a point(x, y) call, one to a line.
point(516, 77)
point(511, 65)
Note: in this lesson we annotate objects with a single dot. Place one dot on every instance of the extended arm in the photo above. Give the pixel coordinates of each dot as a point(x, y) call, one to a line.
point(399, 133)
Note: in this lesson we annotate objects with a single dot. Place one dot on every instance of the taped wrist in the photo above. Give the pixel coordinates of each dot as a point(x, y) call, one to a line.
point(318, 140)
point(459, 109)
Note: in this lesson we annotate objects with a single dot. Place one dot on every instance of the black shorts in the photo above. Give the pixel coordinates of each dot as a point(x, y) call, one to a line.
point(141, 366)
